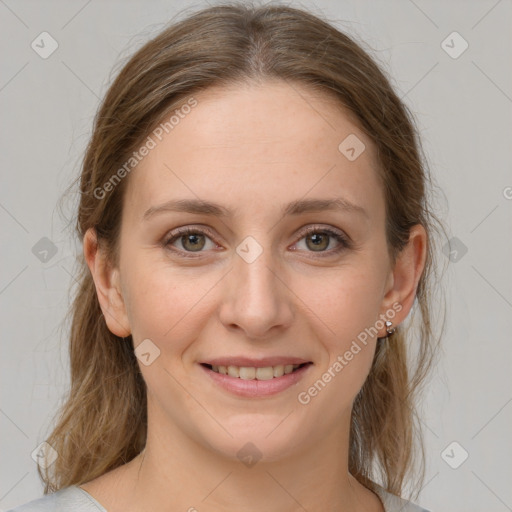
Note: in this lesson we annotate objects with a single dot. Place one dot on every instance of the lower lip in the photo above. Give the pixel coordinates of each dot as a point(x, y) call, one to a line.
point(257, 388)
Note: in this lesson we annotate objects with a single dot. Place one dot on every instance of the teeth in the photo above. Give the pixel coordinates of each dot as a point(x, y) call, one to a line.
point(278, 370)
point(233, 371)
point(266, 373)
point(251, 373)
point(247, 373)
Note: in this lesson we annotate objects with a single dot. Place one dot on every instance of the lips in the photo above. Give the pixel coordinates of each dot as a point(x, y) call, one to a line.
point(255, 377)
point(258, 382)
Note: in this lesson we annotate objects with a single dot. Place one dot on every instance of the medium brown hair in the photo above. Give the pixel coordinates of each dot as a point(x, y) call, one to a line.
point(103, 421)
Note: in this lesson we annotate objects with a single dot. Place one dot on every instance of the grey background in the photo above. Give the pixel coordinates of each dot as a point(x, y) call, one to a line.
point(463, 108)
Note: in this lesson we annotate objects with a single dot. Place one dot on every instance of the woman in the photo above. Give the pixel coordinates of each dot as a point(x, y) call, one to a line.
point(256, 231)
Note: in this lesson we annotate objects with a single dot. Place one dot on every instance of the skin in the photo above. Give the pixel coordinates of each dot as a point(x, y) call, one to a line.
point(252, 148)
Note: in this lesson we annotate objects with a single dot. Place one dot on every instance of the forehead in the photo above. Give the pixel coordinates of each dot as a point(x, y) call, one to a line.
point(257, 144)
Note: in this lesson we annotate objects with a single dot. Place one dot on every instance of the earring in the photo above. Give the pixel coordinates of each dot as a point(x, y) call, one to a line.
point(389, 331)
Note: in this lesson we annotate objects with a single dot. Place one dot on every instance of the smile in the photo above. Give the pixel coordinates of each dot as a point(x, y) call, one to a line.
point(253, 373)
point(264, 380)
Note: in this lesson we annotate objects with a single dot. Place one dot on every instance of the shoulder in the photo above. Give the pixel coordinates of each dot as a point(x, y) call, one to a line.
point(71, 498)
point(394, 503)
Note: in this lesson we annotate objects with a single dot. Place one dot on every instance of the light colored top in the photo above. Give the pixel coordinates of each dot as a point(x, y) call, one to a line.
point(76, 499)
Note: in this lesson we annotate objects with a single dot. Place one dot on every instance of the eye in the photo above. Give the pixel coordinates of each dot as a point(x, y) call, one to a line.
point(194, 240)
point(190, 239)
point(319, 240)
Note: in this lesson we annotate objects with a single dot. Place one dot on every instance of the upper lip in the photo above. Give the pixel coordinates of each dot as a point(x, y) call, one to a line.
point(254, 362)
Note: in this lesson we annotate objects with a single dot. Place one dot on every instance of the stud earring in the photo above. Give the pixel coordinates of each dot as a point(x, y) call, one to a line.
point(389, 331)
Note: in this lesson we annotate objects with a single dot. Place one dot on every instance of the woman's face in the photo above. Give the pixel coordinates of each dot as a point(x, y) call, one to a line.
point(250, 287)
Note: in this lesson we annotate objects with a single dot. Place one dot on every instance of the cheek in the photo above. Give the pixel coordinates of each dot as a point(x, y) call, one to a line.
point(344, 306)
point(163, 300)
point(345, 301)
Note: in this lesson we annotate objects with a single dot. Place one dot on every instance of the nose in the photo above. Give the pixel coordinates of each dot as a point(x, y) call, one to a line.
point(257, 300)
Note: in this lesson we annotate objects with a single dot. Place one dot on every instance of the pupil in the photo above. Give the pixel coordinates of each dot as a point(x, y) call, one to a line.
point(192, 242)
point(318, 240)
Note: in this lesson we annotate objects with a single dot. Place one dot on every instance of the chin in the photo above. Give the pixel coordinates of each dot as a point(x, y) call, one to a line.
point(259, 438)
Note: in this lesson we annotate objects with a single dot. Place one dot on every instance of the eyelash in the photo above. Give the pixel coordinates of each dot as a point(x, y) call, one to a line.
point(343, 241)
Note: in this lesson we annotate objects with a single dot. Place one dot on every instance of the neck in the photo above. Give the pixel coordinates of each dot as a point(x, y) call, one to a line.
point(175, 472)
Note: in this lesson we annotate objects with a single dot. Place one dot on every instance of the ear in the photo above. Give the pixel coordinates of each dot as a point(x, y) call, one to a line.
point(106, 281)
point(404, 277)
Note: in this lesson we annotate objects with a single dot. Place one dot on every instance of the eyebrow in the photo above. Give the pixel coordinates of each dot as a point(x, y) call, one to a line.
point(300, 206)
